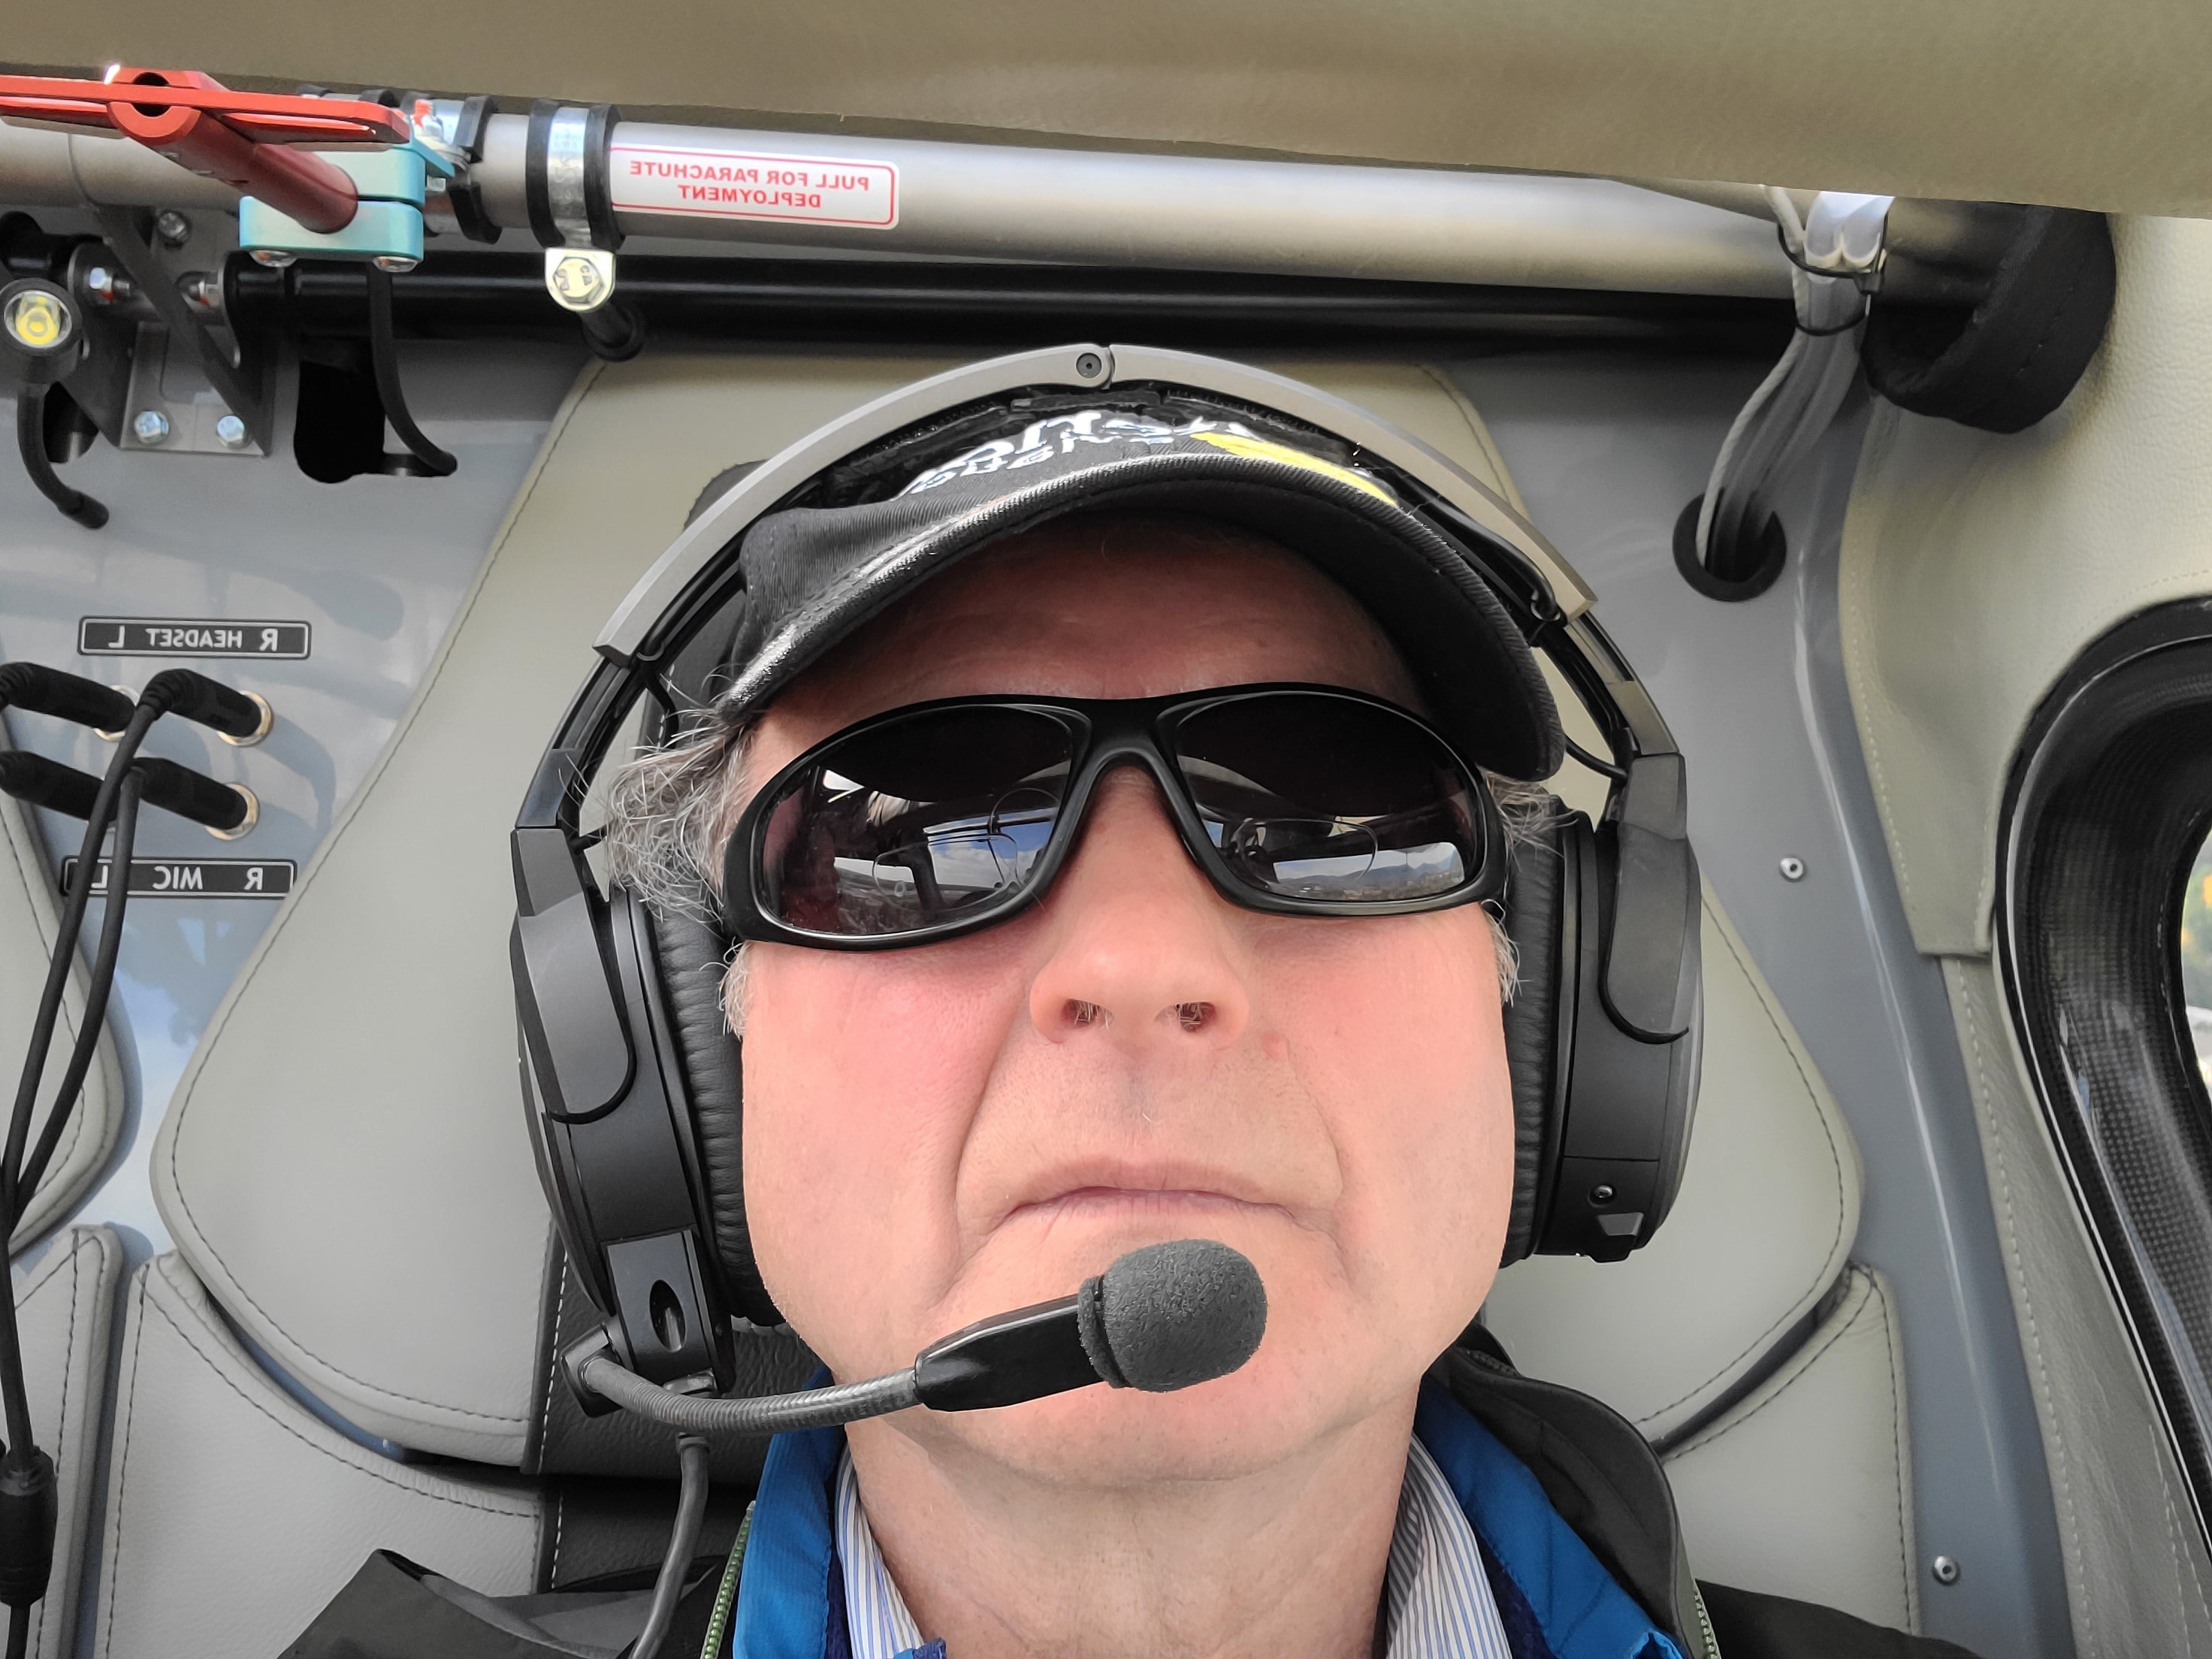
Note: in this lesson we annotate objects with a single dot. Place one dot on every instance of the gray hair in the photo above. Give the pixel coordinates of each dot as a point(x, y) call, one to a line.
point(670, 811)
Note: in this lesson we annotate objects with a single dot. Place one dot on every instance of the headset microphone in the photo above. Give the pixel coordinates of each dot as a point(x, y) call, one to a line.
point(1164, 1318)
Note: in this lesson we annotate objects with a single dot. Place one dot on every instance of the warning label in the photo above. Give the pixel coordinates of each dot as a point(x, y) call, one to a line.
point(718, 185)
point(195, 878)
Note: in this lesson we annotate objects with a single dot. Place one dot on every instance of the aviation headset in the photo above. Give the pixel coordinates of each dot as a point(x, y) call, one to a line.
point(631, 1077)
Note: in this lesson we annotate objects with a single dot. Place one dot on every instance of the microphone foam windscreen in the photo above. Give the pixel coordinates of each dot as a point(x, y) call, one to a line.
point(1171, 1316)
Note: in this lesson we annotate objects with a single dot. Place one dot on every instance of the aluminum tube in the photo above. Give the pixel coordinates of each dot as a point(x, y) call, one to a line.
point(1204, 213)
point(41, 167)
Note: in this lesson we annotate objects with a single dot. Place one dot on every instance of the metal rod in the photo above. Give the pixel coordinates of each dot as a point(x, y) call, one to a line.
point(458, 295)
point(1140, 210)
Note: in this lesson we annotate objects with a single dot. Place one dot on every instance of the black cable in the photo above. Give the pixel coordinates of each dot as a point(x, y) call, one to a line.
point(384, 358)
point(102, 982)
point(1609, 768)
point(15, 1400)
point(683, 1539)
point(31, 438)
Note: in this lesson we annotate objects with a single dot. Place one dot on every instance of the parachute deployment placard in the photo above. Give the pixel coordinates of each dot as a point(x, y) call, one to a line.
point(719, 185)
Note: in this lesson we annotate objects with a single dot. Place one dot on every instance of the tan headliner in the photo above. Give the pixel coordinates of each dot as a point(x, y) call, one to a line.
point(2095, 103)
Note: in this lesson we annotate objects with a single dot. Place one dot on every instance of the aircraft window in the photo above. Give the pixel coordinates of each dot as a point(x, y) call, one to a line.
point(2195, 943)
point(2103, 934)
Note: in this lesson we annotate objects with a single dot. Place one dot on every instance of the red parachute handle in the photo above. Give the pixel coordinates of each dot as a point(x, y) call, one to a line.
point(239, 137)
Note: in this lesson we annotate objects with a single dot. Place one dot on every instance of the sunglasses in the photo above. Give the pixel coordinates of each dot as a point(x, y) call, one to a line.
point(937, 819)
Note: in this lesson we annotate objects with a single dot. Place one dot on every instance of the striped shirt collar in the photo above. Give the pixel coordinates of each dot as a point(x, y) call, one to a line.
point(1436, 1595)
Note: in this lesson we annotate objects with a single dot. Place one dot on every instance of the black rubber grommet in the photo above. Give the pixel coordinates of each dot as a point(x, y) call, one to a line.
point(1774, 553)
point(465, 193)
point(598, 201)
point(534, 192)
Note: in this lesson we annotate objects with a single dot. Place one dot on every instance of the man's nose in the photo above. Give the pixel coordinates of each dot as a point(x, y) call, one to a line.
point(1140, 952)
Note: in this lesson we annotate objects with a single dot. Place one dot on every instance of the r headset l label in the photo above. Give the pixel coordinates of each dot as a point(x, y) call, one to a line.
point(190, 636)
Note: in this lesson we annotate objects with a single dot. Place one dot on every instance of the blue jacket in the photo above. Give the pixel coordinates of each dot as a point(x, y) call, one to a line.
point(1556, 1598)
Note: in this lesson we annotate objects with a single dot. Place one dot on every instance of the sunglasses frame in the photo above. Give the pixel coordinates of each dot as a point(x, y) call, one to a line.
point(1108, 735)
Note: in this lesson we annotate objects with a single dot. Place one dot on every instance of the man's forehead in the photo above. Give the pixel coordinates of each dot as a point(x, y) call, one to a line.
point(1099, 606)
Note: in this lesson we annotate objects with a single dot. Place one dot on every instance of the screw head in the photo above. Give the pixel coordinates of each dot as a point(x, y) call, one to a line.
point(1603, 1193)
point(1946, 1571)
point(1090, 365)
point(396, 264)
point(100, 282)
point(203, 288)
point(230, 432)
point(172, 227)
point(1793, 869)
point(151, 426)
point(275, 258)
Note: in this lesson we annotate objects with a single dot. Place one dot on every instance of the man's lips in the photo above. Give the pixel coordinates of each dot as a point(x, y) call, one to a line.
point(1135, 1189)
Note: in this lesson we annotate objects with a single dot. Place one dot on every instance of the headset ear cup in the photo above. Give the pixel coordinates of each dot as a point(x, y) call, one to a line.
point(1534, 917)
point(691, 953)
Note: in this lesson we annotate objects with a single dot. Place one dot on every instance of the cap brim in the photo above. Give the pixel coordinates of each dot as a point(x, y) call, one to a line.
point(813, 576)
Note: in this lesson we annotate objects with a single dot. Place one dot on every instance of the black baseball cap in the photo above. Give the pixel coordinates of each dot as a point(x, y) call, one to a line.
point(815, 574)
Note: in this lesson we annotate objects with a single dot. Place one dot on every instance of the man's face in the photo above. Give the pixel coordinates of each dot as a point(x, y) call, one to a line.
point(940, 1134)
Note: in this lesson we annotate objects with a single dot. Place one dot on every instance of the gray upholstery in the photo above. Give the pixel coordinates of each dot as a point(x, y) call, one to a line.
point(28, 913)
point(234, 1516)
point(1768, 1207)
point(1804, 1487)
point(64, 1310)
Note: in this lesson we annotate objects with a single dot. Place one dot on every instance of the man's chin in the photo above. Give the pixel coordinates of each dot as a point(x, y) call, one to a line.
point(1255, 1419)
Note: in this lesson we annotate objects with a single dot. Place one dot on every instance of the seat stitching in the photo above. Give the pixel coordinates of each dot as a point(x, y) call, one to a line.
point(1804, 1367)
point(1897, 1445)
point(112, 1568)
point(2173, 1545)
point(1789, 1315)
point(1478, 432)
point(215, 1031)
point(62, 1431)
point(2079, 1579)
point(552, 1365)
point(215, 1364)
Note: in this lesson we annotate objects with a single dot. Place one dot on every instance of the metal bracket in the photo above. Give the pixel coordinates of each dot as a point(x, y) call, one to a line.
point(242, 379)
point(386, 226)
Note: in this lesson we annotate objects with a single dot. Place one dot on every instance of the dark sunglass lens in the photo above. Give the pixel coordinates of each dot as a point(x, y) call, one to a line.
point(915, 823)
point(1321, 797)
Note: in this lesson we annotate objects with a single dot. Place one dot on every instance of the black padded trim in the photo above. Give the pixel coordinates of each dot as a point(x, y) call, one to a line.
point(1749, 1625)
point(691, 952)
point(2013, 358)
point(1532, 920)
point(619, 1446)
point(395, 1609)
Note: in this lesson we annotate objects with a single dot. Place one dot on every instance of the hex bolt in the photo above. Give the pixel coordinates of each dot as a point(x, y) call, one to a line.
point(275, 258)
point(203, 288)
point(230, 432)
point(172, 227)
point(105, 287)
point(1793, 869)
point(152, 426)
point(398, 264)
point(1945, 1569)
